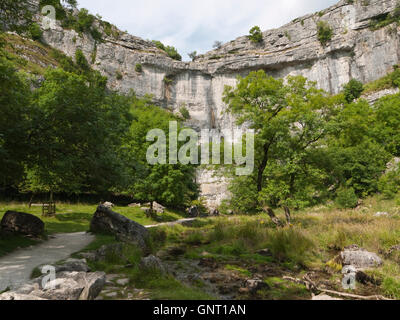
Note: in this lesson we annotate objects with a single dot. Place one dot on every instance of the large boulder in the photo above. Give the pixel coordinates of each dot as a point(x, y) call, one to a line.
point(66, 286)
point(107, 221)
point(360, 258)
point(22, 223)
point(194, 212)
point(158, 208)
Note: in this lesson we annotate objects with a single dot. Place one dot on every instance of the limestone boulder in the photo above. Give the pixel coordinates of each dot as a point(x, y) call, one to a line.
point(107, 221)
point(22, 223)
point(360, 258)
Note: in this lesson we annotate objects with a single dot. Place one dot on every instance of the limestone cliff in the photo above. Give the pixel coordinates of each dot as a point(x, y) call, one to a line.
point(355, 51)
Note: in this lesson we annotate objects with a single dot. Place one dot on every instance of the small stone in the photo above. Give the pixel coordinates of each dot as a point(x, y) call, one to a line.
point(123, 282)
point(381, 214)
point(111, 294)
point(264, 252)
point(324, 297)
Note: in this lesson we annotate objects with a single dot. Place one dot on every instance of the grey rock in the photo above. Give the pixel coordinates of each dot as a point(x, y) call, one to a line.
point(381, 214)
point(126, 230)
point(324, 297)
point(22, 223)
point(123, 282)
point(108, 205)
point(66, 286)
point(94, 283)
point(158, 208)
point(134, 205)
point(9, 296)
point(264, 252)
point(360, 258)
point(152, 263)
point(194, 212)
point(255, 284)
point(70, 265)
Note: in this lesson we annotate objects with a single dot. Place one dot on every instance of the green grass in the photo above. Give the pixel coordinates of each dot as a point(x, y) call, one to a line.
point(11, 243)
point(72, 218)
point(280, 289)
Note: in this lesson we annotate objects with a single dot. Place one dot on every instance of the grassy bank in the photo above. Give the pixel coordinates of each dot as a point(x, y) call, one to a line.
point(76, 217)
point(315, 238)
point(70, 218)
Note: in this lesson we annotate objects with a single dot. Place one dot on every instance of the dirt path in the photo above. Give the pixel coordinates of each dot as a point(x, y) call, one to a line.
point(170, 224)
point(16, 268)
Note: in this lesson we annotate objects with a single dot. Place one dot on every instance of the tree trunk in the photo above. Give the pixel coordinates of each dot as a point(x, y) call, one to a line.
point(287, 214)
point(31, 200)
point(273, 217)
point(263, 166)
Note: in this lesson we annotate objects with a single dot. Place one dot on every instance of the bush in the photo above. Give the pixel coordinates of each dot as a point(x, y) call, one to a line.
point(171, 51)
point(353, 90)
point(81, 61)
point(118, 75)
point(347, 198)
point(185, 113)
point(35, 32)
point(138, 68)
point(325, 32)
point(389, 184)
point(256, 34)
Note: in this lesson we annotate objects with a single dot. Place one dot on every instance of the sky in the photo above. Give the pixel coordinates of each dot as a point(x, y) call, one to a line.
point(194, 25)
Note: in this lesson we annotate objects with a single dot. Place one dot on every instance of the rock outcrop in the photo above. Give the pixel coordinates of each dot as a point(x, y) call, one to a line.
point(66, 286)
point(360, 258)
point(107, 221)
point(355, 51)
point(22, 223)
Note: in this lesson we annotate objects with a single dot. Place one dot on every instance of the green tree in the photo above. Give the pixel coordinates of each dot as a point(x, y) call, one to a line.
point(325, 32)
point(357, 158)
point(353, 90)
point(78, 130)
point(14, 121)
point(289, 120)
point(256, 34)
point(172, 185)
point(386, 128)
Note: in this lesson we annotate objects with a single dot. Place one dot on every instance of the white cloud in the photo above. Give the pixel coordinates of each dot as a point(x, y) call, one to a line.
point(194, 25)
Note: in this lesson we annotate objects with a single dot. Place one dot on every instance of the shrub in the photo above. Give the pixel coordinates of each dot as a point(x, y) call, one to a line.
point(138, 68)
point(347, 198)
point(256, 34)
point(325, 32)
point(171, 51)
point(389, 184)
point(35, 32)
point(118, 75)
point(185, 113)
point(192, 55)
point(81, 61)
point(168, 80)
point(353, 90)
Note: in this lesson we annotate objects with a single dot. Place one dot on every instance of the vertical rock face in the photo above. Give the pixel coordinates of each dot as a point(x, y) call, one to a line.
point(355, 51)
